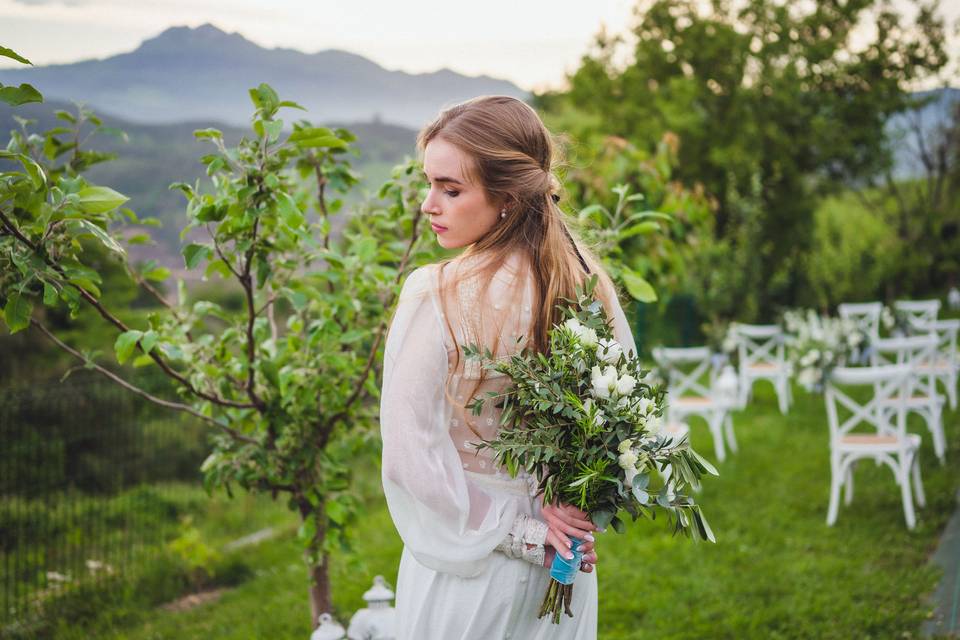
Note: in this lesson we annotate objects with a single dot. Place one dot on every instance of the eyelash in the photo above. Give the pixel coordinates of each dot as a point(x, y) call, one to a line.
point(452, 194)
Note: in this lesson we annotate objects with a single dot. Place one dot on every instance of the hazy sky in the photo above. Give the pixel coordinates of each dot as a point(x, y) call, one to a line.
point(531, 42)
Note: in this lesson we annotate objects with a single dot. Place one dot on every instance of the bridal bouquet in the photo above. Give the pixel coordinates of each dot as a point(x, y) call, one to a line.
point(586, 422)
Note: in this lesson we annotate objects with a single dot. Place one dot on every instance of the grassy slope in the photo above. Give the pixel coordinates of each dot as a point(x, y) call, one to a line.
point(776, 572)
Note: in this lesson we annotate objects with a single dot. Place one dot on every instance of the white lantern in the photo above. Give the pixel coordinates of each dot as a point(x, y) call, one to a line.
point(953, 298)
point(376, 622)
point(726, 386)
point(329, 629)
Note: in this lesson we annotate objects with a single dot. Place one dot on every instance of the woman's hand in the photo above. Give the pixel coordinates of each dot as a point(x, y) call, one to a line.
point(586, 565)
point(565, 520)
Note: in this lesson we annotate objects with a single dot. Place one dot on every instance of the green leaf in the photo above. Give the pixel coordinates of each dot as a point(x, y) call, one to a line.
point(125, 344)
point(15, 96)
point(273, 129)
point(34, 170)
point(194, 253)
point(157, 274)
point(50, 295)
point(617, 525)
point(148, 341)
point(13, 55)
point(336, 511)
point(642, 228)
point(100, 199)
point(17, 312)
point(213, 134)
point(105, 238)
point(638, 287)
point(601, 518)
point(289, 211)
point(712, 470)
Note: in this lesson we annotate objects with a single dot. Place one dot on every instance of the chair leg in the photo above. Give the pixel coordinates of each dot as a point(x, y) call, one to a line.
point(918, 481)
point(934, 420)
point(903, 477)
point(834, 491)
point(848, 486)
point(716, 430)
point(782, 399)
point(952, 391)
point(728, 428)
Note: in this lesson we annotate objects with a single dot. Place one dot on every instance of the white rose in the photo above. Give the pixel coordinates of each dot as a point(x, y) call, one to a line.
point(625, 445)
point(586, 336)
point(627, 460)
point(625, 384)
point(655, 425)
point(609, 350)
point(603, 381)
point(644, 406)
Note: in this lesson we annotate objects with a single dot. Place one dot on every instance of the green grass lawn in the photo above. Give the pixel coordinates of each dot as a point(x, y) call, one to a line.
point(777, 571)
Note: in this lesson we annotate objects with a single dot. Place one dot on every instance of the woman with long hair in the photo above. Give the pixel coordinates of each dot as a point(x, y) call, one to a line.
point(477, 543)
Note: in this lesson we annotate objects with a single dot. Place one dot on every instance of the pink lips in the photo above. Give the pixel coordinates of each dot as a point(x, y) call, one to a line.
point(437, 228)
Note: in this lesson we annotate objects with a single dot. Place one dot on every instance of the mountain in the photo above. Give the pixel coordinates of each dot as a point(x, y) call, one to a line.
point(203, 74)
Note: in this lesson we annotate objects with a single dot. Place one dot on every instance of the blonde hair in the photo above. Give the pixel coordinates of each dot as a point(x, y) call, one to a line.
point(513, 157)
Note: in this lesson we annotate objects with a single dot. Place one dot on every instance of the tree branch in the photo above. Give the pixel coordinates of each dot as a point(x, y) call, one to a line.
point(233, 433)
point(247, 282)
point(327, 428)
point(116, 322)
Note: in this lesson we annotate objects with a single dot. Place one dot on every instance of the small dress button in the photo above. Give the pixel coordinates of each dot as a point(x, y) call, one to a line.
point(455, 422)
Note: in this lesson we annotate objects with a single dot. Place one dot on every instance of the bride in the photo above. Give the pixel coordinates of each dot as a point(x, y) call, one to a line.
point(478, 543)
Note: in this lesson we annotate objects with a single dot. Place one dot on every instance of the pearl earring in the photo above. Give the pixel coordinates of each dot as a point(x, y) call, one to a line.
point(503, 213)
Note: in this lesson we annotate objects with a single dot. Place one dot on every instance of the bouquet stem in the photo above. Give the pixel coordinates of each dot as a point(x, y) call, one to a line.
point(560, 591)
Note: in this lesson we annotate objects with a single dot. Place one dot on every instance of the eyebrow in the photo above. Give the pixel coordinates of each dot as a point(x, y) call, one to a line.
point(443, 179)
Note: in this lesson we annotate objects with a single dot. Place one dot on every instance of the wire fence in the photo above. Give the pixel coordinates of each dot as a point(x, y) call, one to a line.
point(83, 466)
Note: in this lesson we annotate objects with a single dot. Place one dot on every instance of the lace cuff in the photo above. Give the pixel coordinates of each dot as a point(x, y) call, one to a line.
point(525, 530)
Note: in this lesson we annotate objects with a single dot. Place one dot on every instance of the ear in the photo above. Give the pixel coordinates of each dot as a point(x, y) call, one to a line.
point(508, 202)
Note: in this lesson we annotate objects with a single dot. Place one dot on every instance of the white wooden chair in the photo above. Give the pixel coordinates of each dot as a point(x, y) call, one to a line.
point(760, 351)
point(947, 363)
point(691, 374)
point(886, 441)
point(918, 311)
point(920, 353)
point(866, 315)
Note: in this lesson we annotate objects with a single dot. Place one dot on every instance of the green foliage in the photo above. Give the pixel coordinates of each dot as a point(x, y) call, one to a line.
point(647, 227)
point(773, 103)
point(15, 96)
point(286, 376)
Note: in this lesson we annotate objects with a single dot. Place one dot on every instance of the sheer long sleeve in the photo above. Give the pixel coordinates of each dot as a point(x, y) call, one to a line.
point(622, 332)
point(446, 521)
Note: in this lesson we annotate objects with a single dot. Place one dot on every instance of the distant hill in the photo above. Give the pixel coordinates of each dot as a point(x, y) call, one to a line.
point(203, 73)
point(158, 155)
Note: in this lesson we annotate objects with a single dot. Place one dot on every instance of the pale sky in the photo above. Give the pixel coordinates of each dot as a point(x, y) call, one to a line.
point(531, 42)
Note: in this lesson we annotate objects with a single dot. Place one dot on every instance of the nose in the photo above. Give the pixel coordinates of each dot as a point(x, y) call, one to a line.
point(429, 204)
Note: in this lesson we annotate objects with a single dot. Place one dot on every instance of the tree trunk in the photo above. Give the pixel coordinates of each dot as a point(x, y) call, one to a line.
point(320, 600)
point(319, 592)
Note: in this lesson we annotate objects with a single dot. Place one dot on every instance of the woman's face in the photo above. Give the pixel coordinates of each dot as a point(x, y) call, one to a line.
point(453, 202)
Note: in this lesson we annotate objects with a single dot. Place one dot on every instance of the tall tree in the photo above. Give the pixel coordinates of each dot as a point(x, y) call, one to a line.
point(773, 103)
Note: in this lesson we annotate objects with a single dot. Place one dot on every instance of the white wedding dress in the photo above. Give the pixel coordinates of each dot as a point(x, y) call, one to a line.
point(451, 507)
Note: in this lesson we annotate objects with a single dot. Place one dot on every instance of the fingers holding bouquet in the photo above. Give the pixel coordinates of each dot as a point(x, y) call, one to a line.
point(566, 521)
point(587, 548)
